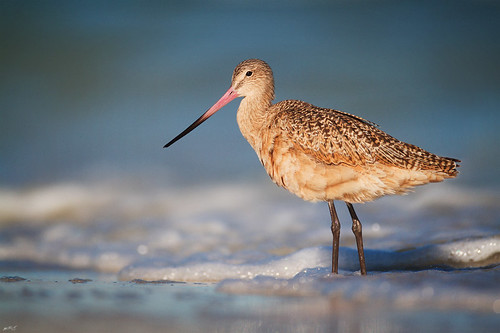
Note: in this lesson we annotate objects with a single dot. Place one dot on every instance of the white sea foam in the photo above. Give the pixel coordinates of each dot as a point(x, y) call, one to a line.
point(462, 253)
point(211, 233)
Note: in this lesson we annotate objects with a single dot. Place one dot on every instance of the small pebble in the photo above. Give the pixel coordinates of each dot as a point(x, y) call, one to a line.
point(78, 280)
point(11, 279)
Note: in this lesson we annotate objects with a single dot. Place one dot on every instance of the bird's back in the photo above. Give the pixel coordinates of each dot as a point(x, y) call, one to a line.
point(337, 142)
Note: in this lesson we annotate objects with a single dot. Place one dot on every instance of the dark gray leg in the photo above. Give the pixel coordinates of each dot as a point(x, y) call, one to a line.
point(356, 229)
point(336, 237)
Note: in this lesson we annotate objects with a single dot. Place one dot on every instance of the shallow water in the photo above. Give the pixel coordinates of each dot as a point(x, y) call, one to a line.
point(254, 275)
point(55, 300)
point(89, 94)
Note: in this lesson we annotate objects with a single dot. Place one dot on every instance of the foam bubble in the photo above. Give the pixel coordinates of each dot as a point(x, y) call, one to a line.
point(478, 251)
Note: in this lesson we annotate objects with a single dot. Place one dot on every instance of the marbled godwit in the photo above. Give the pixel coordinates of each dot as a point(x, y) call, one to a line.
point(324, 154)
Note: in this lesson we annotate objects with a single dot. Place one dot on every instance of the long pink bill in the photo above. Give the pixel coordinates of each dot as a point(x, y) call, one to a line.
point(228, 97)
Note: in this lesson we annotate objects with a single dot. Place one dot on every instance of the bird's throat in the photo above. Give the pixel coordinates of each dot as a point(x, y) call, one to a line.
point(252, 116)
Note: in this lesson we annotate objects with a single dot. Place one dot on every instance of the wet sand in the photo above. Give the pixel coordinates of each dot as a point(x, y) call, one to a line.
point(61, 301)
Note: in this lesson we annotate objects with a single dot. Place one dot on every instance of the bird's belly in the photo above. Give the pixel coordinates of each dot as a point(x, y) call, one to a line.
point(313, 180)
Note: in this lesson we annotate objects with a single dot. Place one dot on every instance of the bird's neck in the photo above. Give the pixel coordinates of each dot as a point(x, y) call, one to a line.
point(252, 116)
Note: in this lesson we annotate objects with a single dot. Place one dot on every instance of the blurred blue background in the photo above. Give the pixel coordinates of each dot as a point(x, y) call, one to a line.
point(98, 87)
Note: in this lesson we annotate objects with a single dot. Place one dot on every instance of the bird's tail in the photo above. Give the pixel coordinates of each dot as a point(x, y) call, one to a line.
point(449, 166)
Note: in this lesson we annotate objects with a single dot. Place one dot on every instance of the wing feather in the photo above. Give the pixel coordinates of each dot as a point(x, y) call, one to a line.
point(335, 137)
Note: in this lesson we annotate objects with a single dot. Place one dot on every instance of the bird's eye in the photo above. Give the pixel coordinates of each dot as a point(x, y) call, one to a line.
point(249, 73)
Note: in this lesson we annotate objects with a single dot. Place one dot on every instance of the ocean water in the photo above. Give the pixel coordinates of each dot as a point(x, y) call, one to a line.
point(90, 92)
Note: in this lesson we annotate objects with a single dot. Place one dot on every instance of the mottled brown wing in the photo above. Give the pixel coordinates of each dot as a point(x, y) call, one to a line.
point(335, 137)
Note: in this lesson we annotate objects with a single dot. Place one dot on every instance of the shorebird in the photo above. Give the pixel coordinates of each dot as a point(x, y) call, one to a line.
point(324, 154)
